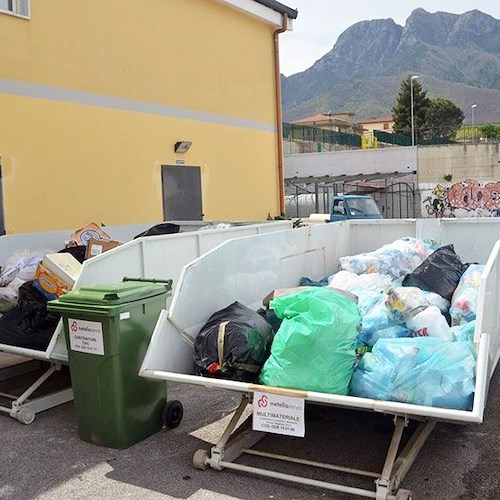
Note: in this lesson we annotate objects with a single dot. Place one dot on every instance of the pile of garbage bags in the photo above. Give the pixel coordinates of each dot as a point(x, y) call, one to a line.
point(24, 318)
point(396, 324)
point(417, 339)
point(24, 321)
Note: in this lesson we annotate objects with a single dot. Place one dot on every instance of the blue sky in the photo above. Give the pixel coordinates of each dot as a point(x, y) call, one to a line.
point(320, 22)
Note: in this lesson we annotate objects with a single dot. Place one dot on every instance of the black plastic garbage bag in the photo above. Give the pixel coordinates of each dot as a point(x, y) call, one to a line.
point(33, 309)
point(234, 344)
point(29, 324)
point(164, 228)
point(78, 252)
point(439, 273)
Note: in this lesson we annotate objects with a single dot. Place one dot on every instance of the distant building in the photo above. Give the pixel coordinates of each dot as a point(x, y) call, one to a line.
point(339, 122)
point(382, 123)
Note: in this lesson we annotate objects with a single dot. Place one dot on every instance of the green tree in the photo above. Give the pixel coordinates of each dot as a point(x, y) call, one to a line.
point(401, 112)
point(442, 119)
point(490, 131)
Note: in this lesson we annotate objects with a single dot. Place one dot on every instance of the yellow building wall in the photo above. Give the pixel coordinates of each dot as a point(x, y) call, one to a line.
point(66, 163)
point(371, 127)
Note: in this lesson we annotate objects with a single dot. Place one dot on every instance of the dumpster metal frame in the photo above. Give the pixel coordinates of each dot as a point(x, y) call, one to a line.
point(231, 446)
point(246, 269)
point(142, 257)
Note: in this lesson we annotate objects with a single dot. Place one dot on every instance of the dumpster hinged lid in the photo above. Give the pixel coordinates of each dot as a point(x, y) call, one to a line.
point(113, 294)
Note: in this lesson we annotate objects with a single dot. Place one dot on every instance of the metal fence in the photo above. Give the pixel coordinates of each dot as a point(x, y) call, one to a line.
point(295, 132)
point(395, 194)
point(404, 140)
point(396, 139)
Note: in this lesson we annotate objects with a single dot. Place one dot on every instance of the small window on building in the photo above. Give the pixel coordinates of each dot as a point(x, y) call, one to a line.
point(386, 126)
point(18, 7)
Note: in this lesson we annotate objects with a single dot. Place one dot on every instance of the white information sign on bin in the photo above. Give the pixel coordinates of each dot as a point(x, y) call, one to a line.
point(85, 336)
point(278, 414)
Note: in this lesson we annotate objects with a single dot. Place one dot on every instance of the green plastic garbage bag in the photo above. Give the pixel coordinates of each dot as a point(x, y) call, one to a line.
point(314, 348)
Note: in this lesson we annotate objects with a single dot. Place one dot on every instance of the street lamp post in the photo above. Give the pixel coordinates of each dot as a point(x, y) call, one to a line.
point(414, 77)
point(472, 108)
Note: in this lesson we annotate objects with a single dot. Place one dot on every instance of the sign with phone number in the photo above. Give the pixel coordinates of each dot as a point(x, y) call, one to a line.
point(278, 414)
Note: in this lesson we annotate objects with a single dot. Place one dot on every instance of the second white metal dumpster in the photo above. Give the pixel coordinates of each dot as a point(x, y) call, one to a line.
point(150, 257)
point(247, 269)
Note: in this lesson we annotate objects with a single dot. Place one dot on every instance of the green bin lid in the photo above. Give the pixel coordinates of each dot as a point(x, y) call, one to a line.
point(113, 294)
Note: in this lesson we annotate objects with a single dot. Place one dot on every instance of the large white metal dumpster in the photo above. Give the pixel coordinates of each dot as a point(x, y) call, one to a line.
point(150, 257)
point(247, 269)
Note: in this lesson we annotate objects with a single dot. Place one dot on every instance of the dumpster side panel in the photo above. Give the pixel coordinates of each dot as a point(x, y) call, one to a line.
point(163, 256)
point(473, 239)
point(167, 339)
point(243, 271)
point(488, 310)
point(368, 235)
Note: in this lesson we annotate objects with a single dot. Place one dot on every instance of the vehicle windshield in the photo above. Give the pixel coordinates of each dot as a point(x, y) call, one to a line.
point(363, 206)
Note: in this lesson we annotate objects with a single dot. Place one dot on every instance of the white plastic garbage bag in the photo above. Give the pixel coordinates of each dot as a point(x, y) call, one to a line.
point(403, 301)
point(395, 259)
point(430, 323)
point(464, 301)
point(352, 282)
point(22, 264)
point(9, 295)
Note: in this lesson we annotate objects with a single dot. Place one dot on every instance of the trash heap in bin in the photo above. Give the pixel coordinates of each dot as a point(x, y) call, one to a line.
point(30, 278)
point(396, 324)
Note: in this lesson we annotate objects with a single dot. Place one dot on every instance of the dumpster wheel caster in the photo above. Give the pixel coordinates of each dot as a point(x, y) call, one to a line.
point(26, 416)
point(403, 495)
point(172, 413)
point(200, 458)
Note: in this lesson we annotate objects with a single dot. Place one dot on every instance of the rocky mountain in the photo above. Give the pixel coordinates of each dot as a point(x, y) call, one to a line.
point(456, 57)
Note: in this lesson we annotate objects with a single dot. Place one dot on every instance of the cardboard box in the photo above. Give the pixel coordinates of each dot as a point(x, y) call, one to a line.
point(84, 234)
point(63, 266)
point(51, 286)
point(97, 247)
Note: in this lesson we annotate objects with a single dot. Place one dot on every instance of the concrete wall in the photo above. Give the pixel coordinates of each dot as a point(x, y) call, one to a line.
point(459, 180)
point(367, 161)
point(300, 147)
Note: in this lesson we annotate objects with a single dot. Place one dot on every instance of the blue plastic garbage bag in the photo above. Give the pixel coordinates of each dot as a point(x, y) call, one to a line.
point(367, 300)
point(305, 281)
point(376, 324)
point(424, 370)
point(465, 332)
point(314, 348)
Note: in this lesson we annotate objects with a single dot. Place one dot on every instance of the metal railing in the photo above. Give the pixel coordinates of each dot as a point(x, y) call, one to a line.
point(296, 132)
point(305, 133)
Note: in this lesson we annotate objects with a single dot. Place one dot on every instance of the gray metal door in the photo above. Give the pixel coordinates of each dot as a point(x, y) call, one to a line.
point(181, 193)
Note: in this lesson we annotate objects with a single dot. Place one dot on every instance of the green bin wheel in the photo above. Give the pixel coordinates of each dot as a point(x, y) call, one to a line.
point(200, 458)
point(172, 413)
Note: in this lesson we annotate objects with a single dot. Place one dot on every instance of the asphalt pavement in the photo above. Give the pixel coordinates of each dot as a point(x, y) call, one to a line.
point(47, 459)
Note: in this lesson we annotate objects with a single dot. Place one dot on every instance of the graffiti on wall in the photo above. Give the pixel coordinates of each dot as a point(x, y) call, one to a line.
point(464, 199)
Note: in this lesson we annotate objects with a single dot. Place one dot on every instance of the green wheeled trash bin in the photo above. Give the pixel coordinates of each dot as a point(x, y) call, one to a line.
point(108, 329)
